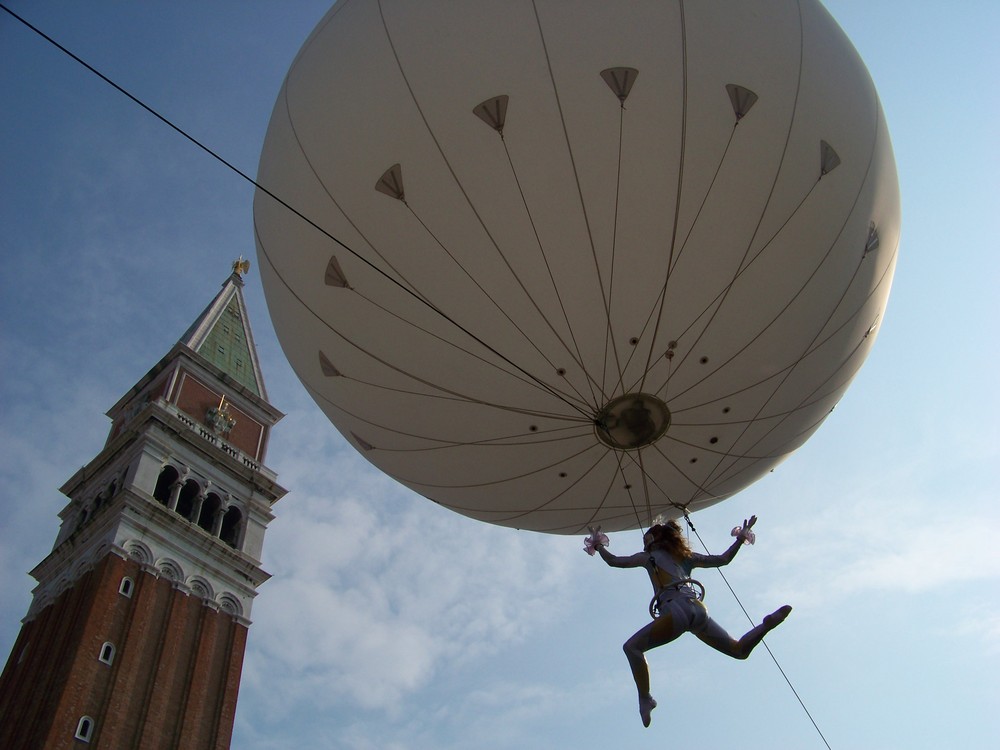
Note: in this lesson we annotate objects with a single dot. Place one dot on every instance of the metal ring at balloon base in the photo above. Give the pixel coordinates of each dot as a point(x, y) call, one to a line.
point(654, 603)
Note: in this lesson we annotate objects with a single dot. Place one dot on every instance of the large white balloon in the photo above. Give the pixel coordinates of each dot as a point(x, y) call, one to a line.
point(594, 260)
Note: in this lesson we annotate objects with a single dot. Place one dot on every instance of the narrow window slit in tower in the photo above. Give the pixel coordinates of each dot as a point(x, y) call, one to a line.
point(85, 729)
point(107, 654)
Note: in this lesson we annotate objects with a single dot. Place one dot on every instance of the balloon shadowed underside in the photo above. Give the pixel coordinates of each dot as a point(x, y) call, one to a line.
point(576, 264)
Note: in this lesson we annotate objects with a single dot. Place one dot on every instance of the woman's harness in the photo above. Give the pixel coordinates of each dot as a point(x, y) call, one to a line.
point(691, 586)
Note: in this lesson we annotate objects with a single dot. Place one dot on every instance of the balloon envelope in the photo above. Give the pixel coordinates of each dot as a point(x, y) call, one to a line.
point(594, 261)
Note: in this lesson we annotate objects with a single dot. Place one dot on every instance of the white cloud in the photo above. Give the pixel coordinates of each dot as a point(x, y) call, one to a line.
point(925, 557)
point(377, 589)
point(889, 536)
point(981, 623)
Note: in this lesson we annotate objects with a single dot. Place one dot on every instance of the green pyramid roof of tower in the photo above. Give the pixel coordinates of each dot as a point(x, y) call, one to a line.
point(222, 335)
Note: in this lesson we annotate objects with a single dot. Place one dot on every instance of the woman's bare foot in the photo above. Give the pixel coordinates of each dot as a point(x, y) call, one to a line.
point(777, 617)
point(646, 706)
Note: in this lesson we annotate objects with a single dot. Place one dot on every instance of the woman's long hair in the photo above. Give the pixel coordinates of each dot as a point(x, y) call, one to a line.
point(668, 536)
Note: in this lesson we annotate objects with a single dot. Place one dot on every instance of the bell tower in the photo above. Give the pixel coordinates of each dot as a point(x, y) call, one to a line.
point(137, 628)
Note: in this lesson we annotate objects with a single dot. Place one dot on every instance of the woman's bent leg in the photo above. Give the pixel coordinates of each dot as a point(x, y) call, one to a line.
point(715, 636)
point(660, 631)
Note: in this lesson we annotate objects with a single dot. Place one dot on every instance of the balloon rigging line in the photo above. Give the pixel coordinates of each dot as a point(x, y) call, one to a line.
point(486, 294)
point(645, 489)
point(304, 154)
point(405, 321)
point(578, 423)
point(628, 490)
point(669, 356)
point(788, 138)
point(833, 310)
point(780, 451)
point(767, 203)
point(371, 245)
point(647, 479)
point(513, 440)
point(232, 167)
point(461, 187)
point(518, 514)
point(775, 374)
point(637, 384)
point(763, 642)
point(455, 395)
point(608, 332)
point(578, 358)
point(704, 200)
point(619, 472)
point(510, 478)
point(781, 417)
point(434, 386)
point(579, 527)
point(699, 488)
point(803, 404)
point(770, 195)
point(576, 177)
point(501, 441)
point(760, 331)
point(468, 200)
point(661, 298)
point(721, 297)
point(619, 457)
point(576, 528)
point(677, 197)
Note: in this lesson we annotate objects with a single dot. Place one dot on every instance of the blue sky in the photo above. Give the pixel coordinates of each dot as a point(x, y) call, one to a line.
point(391, 623)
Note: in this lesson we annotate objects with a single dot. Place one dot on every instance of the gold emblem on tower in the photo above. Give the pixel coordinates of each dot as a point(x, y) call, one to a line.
point(240, 266)
point(219, 418)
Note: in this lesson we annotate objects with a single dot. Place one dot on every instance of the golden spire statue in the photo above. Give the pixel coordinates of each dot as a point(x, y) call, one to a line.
point(241, 266)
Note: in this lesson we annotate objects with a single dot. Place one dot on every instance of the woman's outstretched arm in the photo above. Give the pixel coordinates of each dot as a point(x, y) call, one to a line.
point(597, 542)
point(717, 561)
point(632, 561)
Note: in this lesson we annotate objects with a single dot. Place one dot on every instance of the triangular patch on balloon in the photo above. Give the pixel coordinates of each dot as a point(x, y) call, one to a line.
point(742, 99)
point(493, 112)
point(363, 444)
point(391, 182)
point(335, 274)
point(620, 81)
point(872, 242)
point(328, 367)
point(828, 158)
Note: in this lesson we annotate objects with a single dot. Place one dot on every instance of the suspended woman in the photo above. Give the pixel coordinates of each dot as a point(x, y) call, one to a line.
point(669, 561)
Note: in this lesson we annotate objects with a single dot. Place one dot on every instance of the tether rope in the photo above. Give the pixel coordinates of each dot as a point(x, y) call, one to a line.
point(291, 208)
point(795, 692)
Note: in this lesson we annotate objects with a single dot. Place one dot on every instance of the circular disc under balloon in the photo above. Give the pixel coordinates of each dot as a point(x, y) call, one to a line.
point(593, 261)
